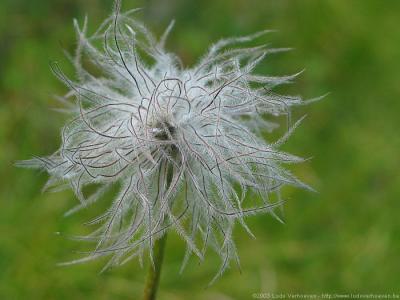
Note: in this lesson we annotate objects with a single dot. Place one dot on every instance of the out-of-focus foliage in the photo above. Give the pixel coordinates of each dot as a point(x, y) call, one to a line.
point(343, 238)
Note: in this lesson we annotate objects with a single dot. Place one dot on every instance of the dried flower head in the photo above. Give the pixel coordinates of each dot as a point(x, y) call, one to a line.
point(183, 144)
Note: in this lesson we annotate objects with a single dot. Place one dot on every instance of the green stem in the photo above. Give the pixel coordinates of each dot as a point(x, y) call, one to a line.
point(153, 276)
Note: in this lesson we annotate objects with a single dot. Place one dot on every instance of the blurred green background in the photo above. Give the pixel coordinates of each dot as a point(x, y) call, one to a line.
point(345, 238)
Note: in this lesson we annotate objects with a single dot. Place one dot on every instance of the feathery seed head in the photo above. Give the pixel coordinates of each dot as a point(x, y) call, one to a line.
point(183, 143)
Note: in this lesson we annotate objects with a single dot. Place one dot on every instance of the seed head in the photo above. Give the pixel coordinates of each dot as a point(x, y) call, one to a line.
point(183, 144)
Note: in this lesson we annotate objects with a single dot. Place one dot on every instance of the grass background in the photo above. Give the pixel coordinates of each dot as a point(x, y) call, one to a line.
point(345, 238)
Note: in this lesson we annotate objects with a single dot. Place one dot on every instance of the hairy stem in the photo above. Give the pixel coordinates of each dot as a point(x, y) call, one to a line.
point(154, 273)
point(153, 276)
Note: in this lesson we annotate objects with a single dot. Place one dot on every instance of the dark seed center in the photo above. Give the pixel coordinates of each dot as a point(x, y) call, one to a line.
point(164, 131)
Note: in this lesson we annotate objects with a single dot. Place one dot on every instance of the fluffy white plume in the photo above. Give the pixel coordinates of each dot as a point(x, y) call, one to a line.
point(183, 144)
